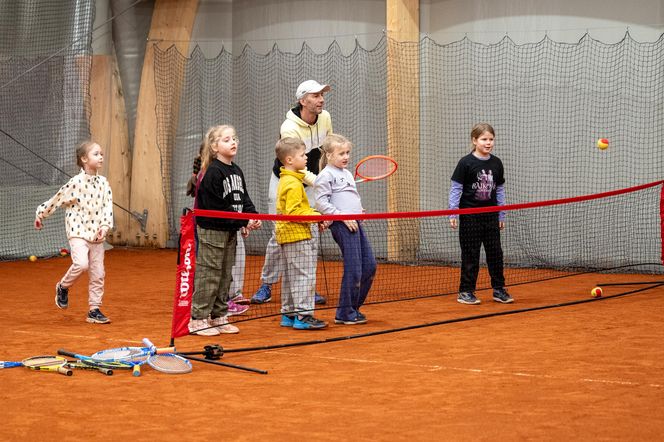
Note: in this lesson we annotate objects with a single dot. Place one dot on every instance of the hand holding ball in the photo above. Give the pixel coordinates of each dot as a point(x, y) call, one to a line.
point(602, 143)
point(596, 292)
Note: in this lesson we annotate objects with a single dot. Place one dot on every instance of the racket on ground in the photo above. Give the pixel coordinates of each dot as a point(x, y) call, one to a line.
point(170, 363)
point(87, 360)
point(78, 365)
point(167, 362)
point(134, 356)
point(41, 363)
point(374, 167)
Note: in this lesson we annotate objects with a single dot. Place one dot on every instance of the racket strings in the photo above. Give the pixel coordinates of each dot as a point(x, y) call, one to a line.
point(169, 363)
point(122, 354)
point(44, 361)
point(375, 168)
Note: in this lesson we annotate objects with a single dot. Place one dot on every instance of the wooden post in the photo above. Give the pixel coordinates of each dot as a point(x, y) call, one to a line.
point(172, 21)
point(403, 128)
point(108, 127)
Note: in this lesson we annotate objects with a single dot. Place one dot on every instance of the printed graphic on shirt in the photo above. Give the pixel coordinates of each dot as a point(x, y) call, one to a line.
point(233, 184)
point(484, 185)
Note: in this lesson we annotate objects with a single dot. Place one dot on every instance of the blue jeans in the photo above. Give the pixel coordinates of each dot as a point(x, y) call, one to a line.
point(359, 269)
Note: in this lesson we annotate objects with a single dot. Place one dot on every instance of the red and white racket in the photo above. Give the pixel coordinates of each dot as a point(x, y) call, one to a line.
point(374, 167)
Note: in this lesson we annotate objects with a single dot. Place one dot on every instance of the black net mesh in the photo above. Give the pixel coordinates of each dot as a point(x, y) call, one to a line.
point(45, 50)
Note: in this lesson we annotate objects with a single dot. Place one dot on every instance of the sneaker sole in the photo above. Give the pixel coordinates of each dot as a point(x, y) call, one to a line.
point(205, 333)
point(359, 321)
point(308, 327)
point(509, 301)
point(225, 331)
point(256, 301)
point(460, 301)
point(97, 321)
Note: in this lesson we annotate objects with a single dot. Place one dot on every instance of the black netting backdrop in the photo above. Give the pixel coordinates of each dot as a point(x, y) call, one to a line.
point(45, 49)
point(549, 102)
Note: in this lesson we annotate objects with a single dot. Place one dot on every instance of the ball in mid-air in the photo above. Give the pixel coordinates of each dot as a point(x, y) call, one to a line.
point(33, 258)
point(602, 143)
point(596, 292)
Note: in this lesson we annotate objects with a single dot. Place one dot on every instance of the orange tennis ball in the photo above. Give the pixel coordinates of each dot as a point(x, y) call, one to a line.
point(33, 258)
point(602, 143)
point(596, 292)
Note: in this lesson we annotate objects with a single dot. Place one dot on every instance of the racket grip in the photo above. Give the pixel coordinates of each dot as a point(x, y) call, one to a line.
point(136, 371)
point(66, 353)
point(106, 371)
point(148, 343)
point(154, 350)
point(65, 371)
point(6, 364)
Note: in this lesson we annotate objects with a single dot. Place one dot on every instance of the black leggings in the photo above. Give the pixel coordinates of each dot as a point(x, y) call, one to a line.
point(475, 230)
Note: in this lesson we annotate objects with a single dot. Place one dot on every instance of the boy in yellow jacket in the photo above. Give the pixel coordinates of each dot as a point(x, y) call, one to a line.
point(299, 279)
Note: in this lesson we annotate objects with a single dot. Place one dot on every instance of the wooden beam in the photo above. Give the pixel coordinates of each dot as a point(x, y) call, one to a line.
point(172, 22)
point(403, 128)
point(108, 127)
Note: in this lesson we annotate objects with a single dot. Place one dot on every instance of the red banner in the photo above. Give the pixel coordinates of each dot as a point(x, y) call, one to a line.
point(184, 277)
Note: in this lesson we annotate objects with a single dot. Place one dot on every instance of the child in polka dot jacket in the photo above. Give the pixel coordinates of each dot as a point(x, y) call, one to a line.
point(89, 216)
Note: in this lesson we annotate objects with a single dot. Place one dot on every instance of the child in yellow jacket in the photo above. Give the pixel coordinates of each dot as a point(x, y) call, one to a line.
point(299, 279)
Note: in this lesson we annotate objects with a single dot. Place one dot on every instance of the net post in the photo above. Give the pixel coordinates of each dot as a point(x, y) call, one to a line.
point(661, 220)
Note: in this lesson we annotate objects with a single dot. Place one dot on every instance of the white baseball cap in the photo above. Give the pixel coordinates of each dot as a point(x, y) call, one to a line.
point(310, 87)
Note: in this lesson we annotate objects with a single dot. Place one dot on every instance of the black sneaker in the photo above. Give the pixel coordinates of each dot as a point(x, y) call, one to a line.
point(501, 295)
point(356, 320)
point(61, 296)
point(467, 298)
point(95, 316)
point(320, 299)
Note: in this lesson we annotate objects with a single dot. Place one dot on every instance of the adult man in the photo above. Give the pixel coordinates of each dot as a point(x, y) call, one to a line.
point(309, 122)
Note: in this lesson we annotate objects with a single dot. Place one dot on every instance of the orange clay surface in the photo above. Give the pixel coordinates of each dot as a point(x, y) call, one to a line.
point(591, 371)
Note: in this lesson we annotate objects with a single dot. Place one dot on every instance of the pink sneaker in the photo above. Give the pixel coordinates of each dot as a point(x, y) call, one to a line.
point(222, 326)
point(240, 299)
point(236, 309)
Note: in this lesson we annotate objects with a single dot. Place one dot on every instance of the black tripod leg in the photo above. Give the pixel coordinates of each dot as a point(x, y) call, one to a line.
point(239, 367)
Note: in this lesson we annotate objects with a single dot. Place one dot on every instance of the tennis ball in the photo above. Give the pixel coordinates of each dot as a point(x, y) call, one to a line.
point(33, 258)
point(596, 292)
point(602, 143)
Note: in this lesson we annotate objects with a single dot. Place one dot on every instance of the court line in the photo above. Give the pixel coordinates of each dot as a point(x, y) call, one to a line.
point(473, 370)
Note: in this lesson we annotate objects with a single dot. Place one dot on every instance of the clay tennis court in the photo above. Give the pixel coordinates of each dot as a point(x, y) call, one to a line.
point(593, 370)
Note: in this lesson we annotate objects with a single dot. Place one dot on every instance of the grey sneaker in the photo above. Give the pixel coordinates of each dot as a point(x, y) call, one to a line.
point(308, 322)
point(467, 298)
point(61, 296)
point(95, 316)
point(501, 295)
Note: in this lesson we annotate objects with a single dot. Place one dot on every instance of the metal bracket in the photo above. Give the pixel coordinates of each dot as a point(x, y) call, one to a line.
point(143, 219)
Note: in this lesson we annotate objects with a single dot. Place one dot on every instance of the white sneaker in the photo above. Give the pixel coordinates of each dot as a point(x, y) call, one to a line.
point(201, 327)
point(223, 326)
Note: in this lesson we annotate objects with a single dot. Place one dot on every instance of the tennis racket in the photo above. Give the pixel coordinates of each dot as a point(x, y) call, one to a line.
point(374, 167)
point(167, 362)
point(41, 363)
point(87, 360)
point(78, 365)
point(134, 356)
